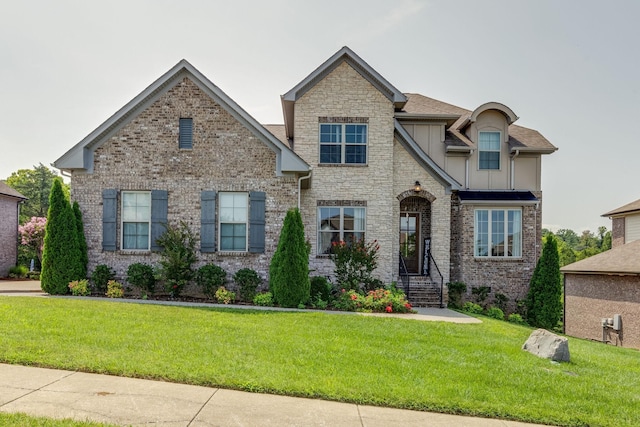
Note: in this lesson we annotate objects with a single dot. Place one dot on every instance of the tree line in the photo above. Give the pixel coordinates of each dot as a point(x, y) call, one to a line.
point(573, 247)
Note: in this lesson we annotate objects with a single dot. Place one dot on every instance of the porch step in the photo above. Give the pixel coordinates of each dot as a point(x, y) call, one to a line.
point(423, 292)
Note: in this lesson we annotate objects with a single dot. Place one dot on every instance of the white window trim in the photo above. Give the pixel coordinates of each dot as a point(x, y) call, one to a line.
point(341, 231)
point(122, 222)
point(220, 222)
point(343, 144)
point(499, 151)
point(489, 233)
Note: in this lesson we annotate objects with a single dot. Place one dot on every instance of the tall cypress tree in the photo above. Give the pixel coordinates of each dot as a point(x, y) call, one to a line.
point(61, 258)
point(544, 307)
point(82, 241)
point(289, 269)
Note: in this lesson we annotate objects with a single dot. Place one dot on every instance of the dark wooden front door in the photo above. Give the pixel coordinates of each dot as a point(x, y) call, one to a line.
point(410, 241)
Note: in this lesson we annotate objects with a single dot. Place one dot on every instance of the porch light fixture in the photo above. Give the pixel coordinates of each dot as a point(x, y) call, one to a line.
point(417, 187)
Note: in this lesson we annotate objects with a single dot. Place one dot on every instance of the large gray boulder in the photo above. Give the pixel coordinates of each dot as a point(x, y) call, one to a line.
point(545, 344)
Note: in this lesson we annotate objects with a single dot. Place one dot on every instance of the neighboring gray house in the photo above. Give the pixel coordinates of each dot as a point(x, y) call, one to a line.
point(448, 193)
point(10, 201)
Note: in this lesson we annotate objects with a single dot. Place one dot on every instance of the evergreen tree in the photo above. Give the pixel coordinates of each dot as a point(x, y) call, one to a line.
point(61, 259)
point(289, 269)
point(544, 307)
point(82, 241)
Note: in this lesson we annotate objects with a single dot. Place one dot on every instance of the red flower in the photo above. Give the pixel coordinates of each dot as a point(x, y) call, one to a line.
point(389, 309)
point(407, 305)
point(354, 297)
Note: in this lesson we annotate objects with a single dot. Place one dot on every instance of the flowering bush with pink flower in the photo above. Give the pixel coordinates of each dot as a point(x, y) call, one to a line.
point(32, 234)
point(355, 261)
point(380, 300)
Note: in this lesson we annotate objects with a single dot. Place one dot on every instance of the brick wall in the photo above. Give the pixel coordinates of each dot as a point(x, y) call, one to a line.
point(591, 297)
point(144, 155)
point(617, 232)
point(8, 234)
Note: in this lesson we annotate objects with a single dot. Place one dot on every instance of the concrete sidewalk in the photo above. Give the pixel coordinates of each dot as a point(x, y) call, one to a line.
point(127, 401)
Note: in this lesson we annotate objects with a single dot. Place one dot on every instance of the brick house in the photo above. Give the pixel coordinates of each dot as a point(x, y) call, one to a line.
point(607, 284)
point(448, 193)
point(10, 201)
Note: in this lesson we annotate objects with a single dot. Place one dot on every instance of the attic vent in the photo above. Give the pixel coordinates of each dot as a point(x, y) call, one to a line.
point(185, 140)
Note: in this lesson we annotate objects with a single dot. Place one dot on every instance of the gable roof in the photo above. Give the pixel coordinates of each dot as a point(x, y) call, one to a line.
point(520, 138)
point(5, 190)
point(80, 157)
point(622, 260)
point(343, 55)
point(626, 209)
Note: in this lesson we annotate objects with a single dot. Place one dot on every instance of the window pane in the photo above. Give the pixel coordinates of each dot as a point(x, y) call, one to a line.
point(489, 141)
point(482, 233)
point(489, 150)
point(497, 233)
point(355, 154)
point(339, 224)
point(325, 241)
point(515, 233)
point(331, 133)
point(330, 154)
point(329, 219)
point(135, 235)
point(233, 237)
point(489, 160)
point(136, 206)
point(356, 134)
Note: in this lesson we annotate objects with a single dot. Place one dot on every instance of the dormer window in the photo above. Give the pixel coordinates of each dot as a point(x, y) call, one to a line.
point(489, 150)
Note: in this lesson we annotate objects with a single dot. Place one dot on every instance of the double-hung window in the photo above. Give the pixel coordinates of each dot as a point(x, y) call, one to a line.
point(489, 150)
point(343, 143)
point(498, 233)
point(337, 224)
point(233, 217)
point(136, 220)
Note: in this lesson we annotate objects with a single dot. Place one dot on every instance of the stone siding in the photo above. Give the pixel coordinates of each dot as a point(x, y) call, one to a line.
point(506, 276)
point(591, 297)
point(8, 234)
point(144, 155)
point(617, 232)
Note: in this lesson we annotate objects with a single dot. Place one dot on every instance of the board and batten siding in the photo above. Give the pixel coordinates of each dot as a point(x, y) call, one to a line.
point(632, 228)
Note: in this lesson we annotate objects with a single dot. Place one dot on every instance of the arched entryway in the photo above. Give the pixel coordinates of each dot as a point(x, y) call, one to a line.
point(415, 231)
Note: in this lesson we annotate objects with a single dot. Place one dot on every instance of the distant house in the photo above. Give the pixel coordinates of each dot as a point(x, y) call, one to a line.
point(9, 213)
point(606, 284)
point(450, 194)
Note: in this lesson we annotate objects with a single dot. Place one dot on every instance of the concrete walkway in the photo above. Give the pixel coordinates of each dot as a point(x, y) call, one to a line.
point(129, 401)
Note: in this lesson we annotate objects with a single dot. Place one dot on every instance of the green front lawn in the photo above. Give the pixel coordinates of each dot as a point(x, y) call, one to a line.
point(23, 420)
point(475, 369)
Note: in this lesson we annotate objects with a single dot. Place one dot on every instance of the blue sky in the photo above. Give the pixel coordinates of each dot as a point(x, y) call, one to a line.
point(570, 69)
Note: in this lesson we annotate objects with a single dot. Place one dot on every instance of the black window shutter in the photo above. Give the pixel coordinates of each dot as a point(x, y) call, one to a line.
point(208, 221)
point(257, 211)
point(185, 139)
point(159, 208)
point(109, 219)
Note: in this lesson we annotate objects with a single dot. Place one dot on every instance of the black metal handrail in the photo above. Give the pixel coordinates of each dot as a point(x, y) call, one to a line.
point(435, 264)
point(404, 274)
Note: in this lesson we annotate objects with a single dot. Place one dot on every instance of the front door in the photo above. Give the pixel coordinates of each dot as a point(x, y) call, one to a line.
point(410, 241)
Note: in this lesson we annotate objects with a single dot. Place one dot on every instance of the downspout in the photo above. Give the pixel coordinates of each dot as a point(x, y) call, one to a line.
point(513, 172)
point(466, 170)
point(300, 186)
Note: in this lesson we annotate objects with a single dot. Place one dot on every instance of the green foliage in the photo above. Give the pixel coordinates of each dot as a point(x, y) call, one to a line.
point(79, 288)
point(177, 257)
point(209, 278)
point(500, 300)
point(379, 300)
point(248, 282)
point(114, 289)
point(472, 307)
point(495, 313)
point(320, 288)
point(573, 247)
point(35, 184)
point(480, 294)
point(82, 241)
point(61, 257)
point(18, 271)
point(264, 299)
point(516, 318)
point(289, 269)
point(355, 260)
point(225, 296)
point(101, 276)
point(142, 276)
point(456, 290)
point(544, 305)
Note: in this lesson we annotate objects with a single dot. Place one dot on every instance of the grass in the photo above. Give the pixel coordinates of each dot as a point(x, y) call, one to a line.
point(24, 420)
point(472, 369)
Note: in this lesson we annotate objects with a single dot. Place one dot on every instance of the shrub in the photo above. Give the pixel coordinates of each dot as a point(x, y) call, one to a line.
point(224, 295)
point(177, 256)
point(32, 235)
point(142, 277)
point(79, 288)
point(320, 288)
point(82, 241)
point(379, 300)
point(114, 289)
point(495, 312)
point(33, 275)
point(480, 294)
point(516, 318)
point(544, 304)
point(248, 282)
point(500, 301)
point(289, 269)
point(61, 256)
point(472, 307)
point(456, 290)
point(354, 262)
point(18, 271)
point(317, 302)
point(209, 278)
point(101, 276)
point(264, 299)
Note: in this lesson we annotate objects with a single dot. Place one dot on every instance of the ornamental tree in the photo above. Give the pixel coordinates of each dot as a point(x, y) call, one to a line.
point(544, 305)
point(32, 235)
point(289, 269)
point(61, 258)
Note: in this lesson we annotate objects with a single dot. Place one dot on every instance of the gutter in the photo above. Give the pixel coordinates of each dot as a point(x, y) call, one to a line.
point(300, 186)
point(513, 172)
point(466, 169)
